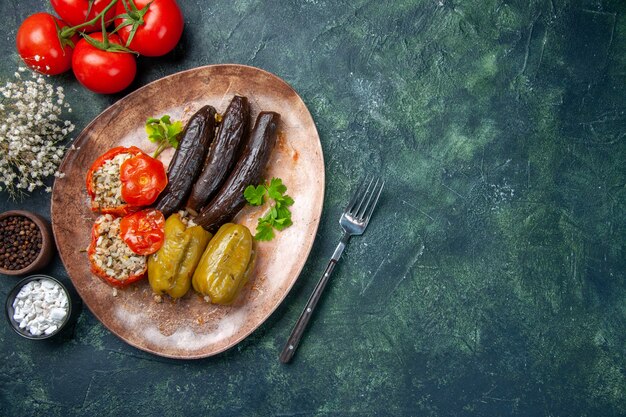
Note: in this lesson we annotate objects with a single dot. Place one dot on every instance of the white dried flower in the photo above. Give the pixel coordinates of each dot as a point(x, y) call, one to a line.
point(31, 133)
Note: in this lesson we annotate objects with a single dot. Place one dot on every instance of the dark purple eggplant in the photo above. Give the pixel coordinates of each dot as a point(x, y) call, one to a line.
point(223, 153)
point(229, 199)
point(186, 164)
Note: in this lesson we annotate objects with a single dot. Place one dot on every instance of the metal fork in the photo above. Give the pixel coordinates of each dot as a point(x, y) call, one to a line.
point(353, 221)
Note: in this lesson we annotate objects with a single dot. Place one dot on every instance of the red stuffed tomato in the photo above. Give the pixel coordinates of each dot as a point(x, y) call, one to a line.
point(122, 180)
point(110, 257)
point(160, 31)
point(104, 183)
point(144, 231)
point(76, 12)
point(101, 71)
point(40, 45)
point(143, 178)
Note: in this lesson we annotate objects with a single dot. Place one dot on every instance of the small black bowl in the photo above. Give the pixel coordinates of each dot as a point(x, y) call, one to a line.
point(10, 310)
point(47, 243)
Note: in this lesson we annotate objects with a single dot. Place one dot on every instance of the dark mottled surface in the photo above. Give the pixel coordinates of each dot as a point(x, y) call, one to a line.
point(492, 280)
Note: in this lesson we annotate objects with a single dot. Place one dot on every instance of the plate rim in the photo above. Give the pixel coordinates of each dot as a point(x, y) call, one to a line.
point(83, 136)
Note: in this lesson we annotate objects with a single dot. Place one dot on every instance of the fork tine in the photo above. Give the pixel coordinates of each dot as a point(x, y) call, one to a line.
point(370, 207)
point(357, 193)
point(363, 195)
point(371, 190)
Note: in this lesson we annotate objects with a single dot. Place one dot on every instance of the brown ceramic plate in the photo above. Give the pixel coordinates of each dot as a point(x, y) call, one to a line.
point(191, 328)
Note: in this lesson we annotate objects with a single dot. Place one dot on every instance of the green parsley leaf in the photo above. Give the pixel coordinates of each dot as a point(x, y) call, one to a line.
point(154, 130)
point(264, 231)
point(173, 132)
point(283, 218)
point(279, 216)
point(287, 201)
point(283, 213)
point(276, 189)
point(254, 195)
point(285, 223)
point(163, 132)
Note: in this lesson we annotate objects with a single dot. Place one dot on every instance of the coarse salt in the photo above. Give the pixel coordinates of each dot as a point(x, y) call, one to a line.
point(40, 307)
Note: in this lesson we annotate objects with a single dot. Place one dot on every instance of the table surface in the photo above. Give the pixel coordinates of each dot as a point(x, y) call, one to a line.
point(491, 280)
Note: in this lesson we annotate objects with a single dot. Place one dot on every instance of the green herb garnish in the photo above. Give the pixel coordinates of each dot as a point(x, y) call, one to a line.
point(279, 216)
point(163, 132)
point(254, 195)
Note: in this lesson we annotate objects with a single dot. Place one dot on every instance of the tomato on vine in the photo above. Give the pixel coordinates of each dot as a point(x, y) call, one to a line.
point(77, 12)
point(152, 28)
point(102, 64)
point(41, 45)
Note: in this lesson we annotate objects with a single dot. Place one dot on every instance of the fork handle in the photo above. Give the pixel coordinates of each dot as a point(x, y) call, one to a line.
point(305, 316)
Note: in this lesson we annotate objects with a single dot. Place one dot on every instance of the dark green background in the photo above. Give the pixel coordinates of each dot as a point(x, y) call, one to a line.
point(491, 281)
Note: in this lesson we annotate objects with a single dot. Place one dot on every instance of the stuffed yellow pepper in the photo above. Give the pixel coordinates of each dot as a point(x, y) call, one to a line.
point(225, 264)
point(171, 268)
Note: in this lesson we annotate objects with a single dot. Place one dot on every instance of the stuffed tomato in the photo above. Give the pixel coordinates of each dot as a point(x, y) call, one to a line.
point(123, 180)
point(110, 257)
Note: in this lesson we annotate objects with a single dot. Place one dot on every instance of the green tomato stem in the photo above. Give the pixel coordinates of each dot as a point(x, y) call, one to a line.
point(93, 21)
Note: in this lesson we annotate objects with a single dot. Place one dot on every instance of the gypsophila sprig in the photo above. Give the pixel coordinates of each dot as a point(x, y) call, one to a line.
point(31, 130)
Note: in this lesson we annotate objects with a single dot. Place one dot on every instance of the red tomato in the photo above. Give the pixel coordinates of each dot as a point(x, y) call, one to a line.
point(161, 30)
point(39, 46)
point(143, 178)
point(102, 71)
point(74, 12)
point(144, 231)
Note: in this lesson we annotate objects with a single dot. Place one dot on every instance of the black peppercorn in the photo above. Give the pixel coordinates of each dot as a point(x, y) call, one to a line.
point(20, 242)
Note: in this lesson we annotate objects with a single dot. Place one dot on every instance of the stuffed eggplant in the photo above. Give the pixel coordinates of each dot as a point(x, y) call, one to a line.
point(223, 153)
point(188, 159)
point(229, 199)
